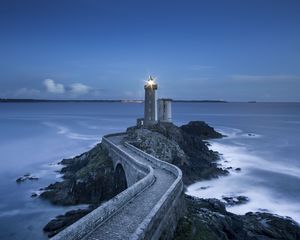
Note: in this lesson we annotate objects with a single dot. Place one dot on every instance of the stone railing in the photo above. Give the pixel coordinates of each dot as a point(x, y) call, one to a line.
point(88, 223)
point(156, 221)
point(163, 215)
point(140, 169)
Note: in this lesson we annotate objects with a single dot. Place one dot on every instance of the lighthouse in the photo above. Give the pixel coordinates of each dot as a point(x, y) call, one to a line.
point(150, 102)
point(164, 107)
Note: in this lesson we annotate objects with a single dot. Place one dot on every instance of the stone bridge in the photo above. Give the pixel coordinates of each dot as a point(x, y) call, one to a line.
point(148, 209)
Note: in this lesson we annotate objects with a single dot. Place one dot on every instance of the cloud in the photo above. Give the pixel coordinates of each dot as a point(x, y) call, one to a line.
point(259, 78)
point(74, 89)
point(53, 87)
point(79, 89)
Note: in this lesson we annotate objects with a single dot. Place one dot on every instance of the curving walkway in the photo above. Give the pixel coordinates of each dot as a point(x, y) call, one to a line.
point(141, 215)
point(125, 222)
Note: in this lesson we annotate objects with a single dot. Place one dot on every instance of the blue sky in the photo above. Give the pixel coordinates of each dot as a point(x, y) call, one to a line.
point(231, 50)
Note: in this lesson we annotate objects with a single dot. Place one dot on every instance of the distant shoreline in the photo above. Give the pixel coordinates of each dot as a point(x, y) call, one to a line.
point(13, 100)
point(95, 100)
point(48, 100)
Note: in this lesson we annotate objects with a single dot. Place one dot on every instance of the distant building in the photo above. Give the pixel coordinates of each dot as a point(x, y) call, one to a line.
point(164, 110)
point(150, 111)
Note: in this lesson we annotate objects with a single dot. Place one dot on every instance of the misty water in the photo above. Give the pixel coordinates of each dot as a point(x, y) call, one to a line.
point(262, 139)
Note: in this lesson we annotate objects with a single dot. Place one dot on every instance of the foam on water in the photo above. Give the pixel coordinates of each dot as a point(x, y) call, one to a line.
point(70, 134)
point(26, 211)
point(246, 182)
point(239, 156)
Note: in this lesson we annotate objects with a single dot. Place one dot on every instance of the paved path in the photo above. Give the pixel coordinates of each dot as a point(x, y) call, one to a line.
point(124, 223)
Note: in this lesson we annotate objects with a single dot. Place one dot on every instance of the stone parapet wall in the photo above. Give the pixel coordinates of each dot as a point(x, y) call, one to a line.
point(120, 156)
point(88, 223)
point(162, 220)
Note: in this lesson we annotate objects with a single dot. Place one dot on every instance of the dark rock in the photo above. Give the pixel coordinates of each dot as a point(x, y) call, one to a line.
point(263, 210)
point(270, 226)
point(228, 168)
point(20, 179)
point(208, 219)
point(242, 199)
point(88, 179)
point(201, 130)
point(182, 146)
point(33, 178)
point(232, 200)
point(238, 169)
point(34, 195)
point(203, 188)
point(62, 221)
point(25, 177)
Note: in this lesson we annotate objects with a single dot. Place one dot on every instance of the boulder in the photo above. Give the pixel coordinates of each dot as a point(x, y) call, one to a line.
point(62, 221)
point(201, 129)
point(25, 177)
point(208, 219)
point(235, 200)
point(182, 146)
point(88, 179)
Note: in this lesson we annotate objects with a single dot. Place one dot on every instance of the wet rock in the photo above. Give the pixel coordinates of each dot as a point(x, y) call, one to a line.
point(263, 210)
point(88, 179)
point(182, 146)
point(25, 177)
point(157, 145)
point(238, 169)
point(62, 221)
point(232, 200)
point(201, 129)
point(203, 188)
point(33, 195)
point(208, 219)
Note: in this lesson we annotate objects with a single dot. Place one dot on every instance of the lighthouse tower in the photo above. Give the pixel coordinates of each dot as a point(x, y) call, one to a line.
point(164, 110)
point(150, 102)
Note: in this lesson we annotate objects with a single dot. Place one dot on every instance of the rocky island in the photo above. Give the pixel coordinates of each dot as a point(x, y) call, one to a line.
point(89, 179)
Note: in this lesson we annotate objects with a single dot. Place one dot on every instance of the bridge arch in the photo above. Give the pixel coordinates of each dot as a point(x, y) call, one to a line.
point(143, 173)
point(120, 181)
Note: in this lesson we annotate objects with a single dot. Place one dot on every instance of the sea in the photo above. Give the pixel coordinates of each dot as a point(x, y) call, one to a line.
point(262, 139)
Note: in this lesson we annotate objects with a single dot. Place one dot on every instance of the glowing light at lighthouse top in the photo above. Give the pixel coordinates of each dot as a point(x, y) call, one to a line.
point(150, 83)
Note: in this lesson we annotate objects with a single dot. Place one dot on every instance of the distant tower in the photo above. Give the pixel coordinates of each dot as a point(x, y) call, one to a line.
point(164, 110)
point(150, 102)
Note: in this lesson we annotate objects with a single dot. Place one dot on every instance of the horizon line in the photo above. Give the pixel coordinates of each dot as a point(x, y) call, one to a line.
point(134, 100)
